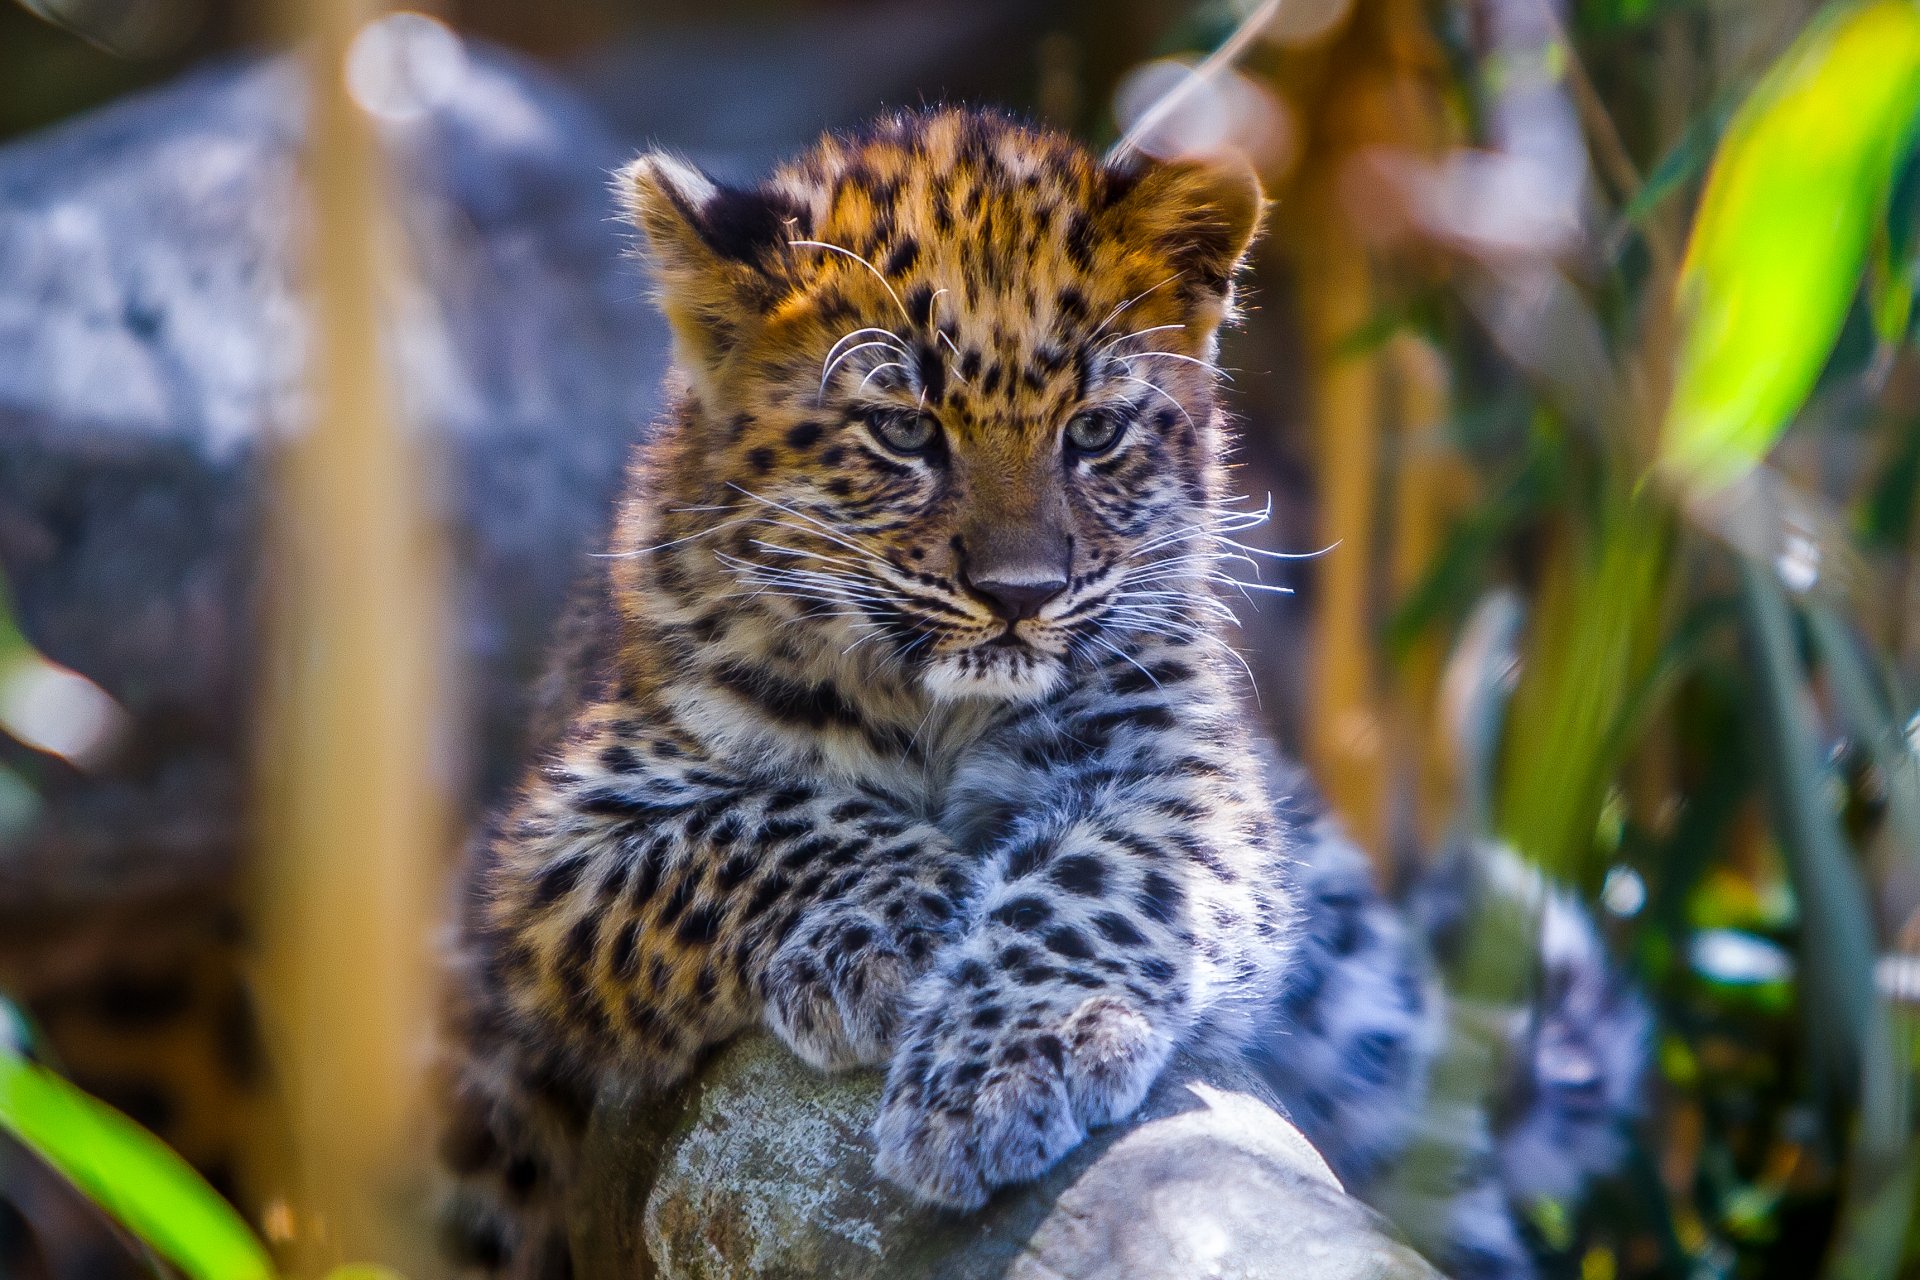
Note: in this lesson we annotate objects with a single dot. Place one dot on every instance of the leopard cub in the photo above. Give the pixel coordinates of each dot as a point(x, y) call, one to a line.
point(910, 736)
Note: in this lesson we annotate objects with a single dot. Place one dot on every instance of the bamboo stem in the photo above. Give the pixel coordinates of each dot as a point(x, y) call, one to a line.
point(352, 818)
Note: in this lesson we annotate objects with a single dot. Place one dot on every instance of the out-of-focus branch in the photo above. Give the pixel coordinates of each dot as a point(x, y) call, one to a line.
point(352, 814)
point(1373, 98)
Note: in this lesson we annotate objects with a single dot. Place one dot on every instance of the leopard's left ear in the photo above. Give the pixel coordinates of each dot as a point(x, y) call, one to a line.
point(715, 251)
point(1202, 212)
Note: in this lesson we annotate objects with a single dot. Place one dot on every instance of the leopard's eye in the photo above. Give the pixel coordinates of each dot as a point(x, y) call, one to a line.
point(903, 430)
point(1093, 432)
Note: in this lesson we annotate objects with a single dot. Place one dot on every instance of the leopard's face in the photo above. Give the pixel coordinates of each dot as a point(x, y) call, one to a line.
point(962, 383)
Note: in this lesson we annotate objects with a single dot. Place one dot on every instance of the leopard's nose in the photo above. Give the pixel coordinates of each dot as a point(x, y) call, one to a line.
point(1012, 565)
point(1014, 594)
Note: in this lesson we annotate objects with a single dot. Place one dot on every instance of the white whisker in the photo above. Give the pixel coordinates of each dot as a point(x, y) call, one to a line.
point(842, 358)
point(1116, 649)
point(848, 253)
point(1138, 333)
point(1208, 365)
point(1162, 391)
point(819, 528)
point(877, 370)
point(1115, 313)
point(674, 542)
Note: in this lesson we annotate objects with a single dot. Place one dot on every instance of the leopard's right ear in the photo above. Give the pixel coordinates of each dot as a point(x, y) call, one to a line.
point(717, 251)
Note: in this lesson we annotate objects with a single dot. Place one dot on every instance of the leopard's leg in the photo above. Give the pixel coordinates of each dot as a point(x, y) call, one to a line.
point(641, 906)
point(1139, 905)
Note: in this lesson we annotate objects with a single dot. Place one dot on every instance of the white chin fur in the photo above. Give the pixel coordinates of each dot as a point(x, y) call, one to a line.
point(1006, 675)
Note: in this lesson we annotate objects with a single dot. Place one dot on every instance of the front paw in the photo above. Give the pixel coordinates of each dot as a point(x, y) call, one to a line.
point(962, 1116)
point(836, 986)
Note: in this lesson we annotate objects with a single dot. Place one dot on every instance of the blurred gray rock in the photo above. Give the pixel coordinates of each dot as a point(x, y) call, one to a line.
point(153, 353)
point(763, 1169)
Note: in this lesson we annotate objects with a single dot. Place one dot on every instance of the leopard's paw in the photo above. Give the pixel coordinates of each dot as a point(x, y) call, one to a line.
point(835, 989)
point(964, 1114)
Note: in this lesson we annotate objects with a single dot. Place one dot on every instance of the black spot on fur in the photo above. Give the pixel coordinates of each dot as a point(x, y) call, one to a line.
point(678, 900)
point(920, 305)
point(556, 880)
point(1069, 943)
point(1025, 912)
point(1080, 241)
point(814, 705)
point(770, 891)
point(904, 255)
point(1082, 873)
point(1117, 929)
point(623, 959)
point(1050, 1048)
point(733, 872)
point(1025, 860)
point(701, 925)
point(1160, 898)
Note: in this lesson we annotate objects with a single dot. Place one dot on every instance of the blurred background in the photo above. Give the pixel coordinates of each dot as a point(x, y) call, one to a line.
point(1581, 339)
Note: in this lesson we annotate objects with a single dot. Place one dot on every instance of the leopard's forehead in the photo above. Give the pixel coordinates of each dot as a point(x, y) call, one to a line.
point(983, 237)
point(978, 184)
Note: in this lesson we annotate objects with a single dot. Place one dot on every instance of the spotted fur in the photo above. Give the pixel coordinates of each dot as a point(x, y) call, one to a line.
point(912, 738)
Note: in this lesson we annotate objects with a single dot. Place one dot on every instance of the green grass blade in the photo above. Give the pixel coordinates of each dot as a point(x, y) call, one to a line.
point(1595, 632)
point(1796, 194)
point(1847, 1021)
point(1837, 934)
point(128, 1172)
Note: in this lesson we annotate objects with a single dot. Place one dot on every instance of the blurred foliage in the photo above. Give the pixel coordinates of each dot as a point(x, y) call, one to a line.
point(1711, 528)
point(146, 1188)
point(1799, 191)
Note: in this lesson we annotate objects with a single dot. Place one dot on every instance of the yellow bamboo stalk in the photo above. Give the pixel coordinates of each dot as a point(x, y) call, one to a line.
point(352, 820)
point(1432, 484)
point(1370, 96)
point(1345, 731)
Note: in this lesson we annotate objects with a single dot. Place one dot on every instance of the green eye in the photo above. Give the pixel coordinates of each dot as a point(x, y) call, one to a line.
point(1094, 432)
point(903, 431)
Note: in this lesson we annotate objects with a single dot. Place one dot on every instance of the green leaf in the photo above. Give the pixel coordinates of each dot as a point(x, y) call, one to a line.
point(128, 1172)
point(1797, 193)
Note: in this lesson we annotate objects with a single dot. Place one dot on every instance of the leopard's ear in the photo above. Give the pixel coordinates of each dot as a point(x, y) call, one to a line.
point(716, 251)
point(1201, 212)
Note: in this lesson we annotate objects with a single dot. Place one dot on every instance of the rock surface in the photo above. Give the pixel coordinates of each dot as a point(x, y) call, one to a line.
point(763, 1169)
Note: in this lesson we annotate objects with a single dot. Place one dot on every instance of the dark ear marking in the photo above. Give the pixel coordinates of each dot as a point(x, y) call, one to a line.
point(744, 224)
point(1118, 178)
point(738, 224)
point(714, 250)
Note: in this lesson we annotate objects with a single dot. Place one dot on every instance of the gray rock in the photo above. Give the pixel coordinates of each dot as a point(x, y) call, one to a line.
point(763, 1169)
point(154, 346)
